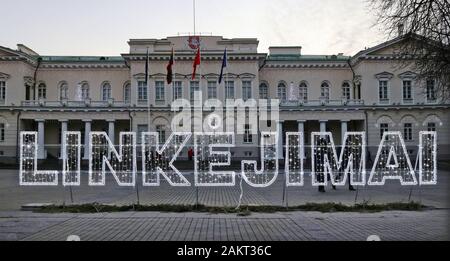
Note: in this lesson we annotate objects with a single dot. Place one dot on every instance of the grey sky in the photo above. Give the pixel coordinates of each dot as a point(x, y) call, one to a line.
point(102, 27)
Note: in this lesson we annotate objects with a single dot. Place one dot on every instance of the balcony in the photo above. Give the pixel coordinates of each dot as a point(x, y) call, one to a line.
point(75, 104)
point(322, 102)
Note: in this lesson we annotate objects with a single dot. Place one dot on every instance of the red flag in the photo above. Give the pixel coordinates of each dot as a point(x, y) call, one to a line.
point(169, 68)
point(197, 62)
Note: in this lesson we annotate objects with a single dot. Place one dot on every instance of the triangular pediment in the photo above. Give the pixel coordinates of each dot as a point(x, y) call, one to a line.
point(389, 48)
point(7, 52)
point(4, 76)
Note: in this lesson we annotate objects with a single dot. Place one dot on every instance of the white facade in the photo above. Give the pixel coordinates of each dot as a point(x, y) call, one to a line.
point(366, 92)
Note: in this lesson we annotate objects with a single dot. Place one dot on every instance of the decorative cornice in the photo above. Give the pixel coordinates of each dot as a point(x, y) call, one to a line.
point(384, 75)
point(190, 57)
point(306, 65)
point(85, 66)
point(408, 75)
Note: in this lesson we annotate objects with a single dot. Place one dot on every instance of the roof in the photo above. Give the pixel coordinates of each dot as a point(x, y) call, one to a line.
point(296, 57)
point(98, 59)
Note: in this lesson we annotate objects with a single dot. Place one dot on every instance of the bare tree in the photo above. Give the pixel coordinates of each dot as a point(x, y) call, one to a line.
point(425, 25)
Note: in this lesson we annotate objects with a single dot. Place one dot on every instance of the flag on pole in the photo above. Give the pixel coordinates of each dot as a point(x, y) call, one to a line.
point(197, 62)
point(224, 65)
point(169, 68)
point(146, 68)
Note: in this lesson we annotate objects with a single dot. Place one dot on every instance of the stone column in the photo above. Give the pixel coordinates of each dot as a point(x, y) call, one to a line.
point(280, 139)
point(41, 139)
point(323, 126)
point(301, 128)
point(111, 132)
point(64, 124)
point(87, 131)
point(344, 129)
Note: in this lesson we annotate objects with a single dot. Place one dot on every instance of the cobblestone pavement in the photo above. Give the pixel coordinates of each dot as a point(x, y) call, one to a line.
point(295, 226)
point(12, 196)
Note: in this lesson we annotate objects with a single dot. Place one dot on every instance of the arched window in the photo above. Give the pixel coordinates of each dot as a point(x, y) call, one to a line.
point(127, 93)
point(106, 91)
point(42, 91)
point(303, 92)
point(346, 91)
point(63, 91)
point(85, 91)
point(282, 91)
point(325, 91)
point(263, 91)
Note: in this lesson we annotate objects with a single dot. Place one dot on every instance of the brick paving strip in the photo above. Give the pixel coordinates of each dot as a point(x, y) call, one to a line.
point(294, 226)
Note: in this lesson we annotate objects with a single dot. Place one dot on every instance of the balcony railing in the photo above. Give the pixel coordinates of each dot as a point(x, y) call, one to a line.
point(76, 104)
point(322, 102)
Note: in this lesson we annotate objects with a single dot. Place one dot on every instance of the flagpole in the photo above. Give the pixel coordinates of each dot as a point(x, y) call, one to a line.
point(148, 91)
point(174, 74)
point(194, 16)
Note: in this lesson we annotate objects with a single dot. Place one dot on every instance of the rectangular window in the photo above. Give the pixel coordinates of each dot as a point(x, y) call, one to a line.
point(383, 91)
point(177, 90)
point(407, 131)
point(195, 87)
point(248, 137)
point(142, 91)
point(431, 91)
point(431, 126)
point(2, 91)
point(384, 127)
point(2, 132)
point(246, 90)
point(212, 90)
point(141, 129)
point(407, 92)
point(229, 90)
point(159, 91)
point(161, 134)
point(346, 93)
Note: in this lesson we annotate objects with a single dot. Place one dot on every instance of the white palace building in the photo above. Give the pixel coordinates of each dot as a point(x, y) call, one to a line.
point(365, 92)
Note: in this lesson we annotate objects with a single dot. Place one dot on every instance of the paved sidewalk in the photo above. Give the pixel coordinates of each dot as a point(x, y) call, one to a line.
point(154, 226)
point(12, 196)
